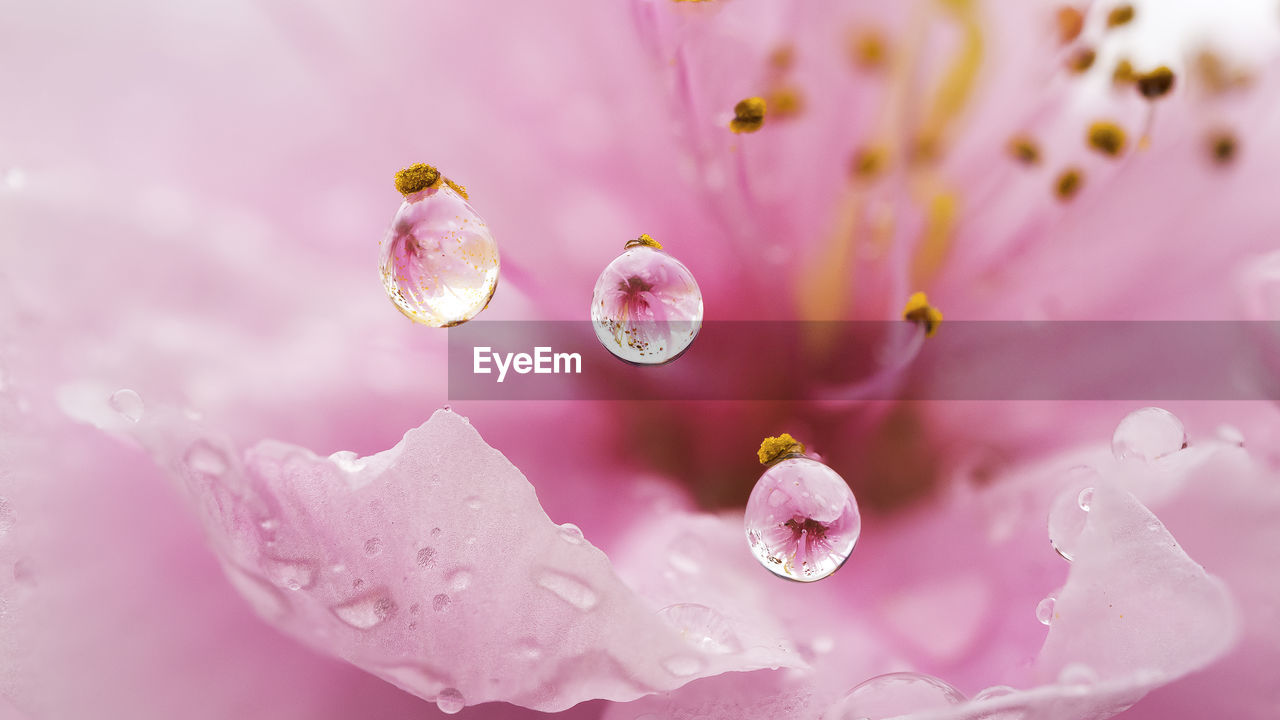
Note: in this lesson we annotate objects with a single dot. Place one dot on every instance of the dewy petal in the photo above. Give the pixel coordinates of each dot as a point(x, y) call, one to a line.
point(433, 566)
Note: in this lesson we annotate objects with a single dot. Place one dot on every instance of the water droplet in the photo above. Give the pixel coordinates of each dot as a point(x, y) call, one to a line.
point(473, 502)
point(439, 261)
point(205, 459)
point(440, 602)
point(701, 627)
point(1007, 711)
point(294, 574)
point(450, 701)
point(1045, 609)
point(571, 534)
point(459, 579)
point(418, 679)
point(1148, 434)
point(646, 307)
point(427, 557)
point(128, 403)
point(812, 533)
point(347, 461)
point(570, 589)
point(366, 611)
point(895, 694)
point(6, 515)
point(1085, 499)
point(373, 547)
point(683, 665)
point(1077, 674)
point(528, 649)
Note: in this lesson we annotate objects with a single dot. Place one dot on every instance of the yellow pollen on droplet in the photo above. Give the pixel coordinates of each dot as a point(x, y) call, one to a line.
point(1106, 137)
point(1024, 149)
point(1068, 183)
point(457, 188)
point(416, 178)
point(1120, 15)
point(748, 115)
point(774, 448)
point(919, 311)
point(646, 240)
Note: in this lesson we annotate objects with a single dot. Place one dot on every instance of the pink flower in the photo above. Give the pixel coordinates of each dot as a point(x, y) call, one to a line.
point(192, 202)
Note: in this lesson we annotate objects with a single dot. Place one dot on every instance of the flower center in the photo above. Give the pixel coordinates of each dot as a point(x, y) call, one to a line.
point(806, 527)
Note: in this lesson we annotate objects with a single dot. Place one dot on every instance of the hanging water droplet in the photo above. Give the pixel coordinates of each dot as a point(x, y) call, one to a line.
point(811, 533)
point(1045, 610)
point(701, 627)
point(427, 557)
point(440, 602)
point(646, 307)
point(459, 579)
point(439, 261)
point(570, 589)
point(450, 701)
point(1148, 434)
point(894, 694)
point(366, 611)
point(1085, 499)
point(128, 403)
point(205, 459)
point(683, 665)
point(571, 534)
point(373, 547)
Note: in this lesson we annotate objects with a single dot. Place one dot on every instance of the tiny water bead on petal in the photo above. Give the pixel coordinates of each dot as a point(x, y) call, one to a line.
point(646, 308)
point(439, 261)
point(1148, 434)
point(893, 695)
point(801, 520)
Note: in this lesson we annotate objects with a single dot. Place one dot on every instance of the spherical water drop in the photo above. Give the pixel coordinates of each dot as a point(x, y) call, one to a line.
point(439, 260)
point(646, 307)
point(128, 403)
point(427, 557)
point(1085, 499)
point(895, 694)
point(701, 627)
point(1148, 434)
point(570, 589)
point(571, 534)
point(440, 602)
point(205, 459)
point(367, 611)
point(1045, 610)
point(373, 547)
point(809, 534)
point(450, 701)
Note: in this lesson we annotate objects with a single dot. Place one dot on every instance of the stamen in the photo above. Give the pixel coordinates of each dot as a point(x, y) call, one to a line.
point(1081, 60)
point(956, 86)
point(1107, 138)
point(1216, 76)
point(870, 162)
point(1068, 183)
point(868, 49)
point(1070, 23)
point(786, 101)
point(920, 312)
point(1123, 74)
point(748, 115)
point(1156, 83)
point(776, 448)
point(416, 178)
point(782, 58)
point(646, 240)
point(1120, 15)
point(1024, 149)
point(1222, 146)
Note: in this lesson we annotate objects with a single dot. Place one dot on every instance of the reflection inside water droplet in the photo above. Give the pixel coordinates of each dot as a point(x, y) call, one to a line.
point(450, 701)
point(701, 627)
point(895, 694)
point(809, 534)
point(1085, 499)
point(571, 534)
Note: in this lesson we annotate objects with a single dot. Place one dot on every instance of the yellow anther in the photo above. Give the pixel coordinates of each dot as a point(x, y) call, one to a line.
point(920, 312)
point(1156, 83)
point(646, 240)
point(748, 115)
point(1068, 183)
point(416, 178)
point(1024, 149)
point(1120, 15)
point(1106, 137)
